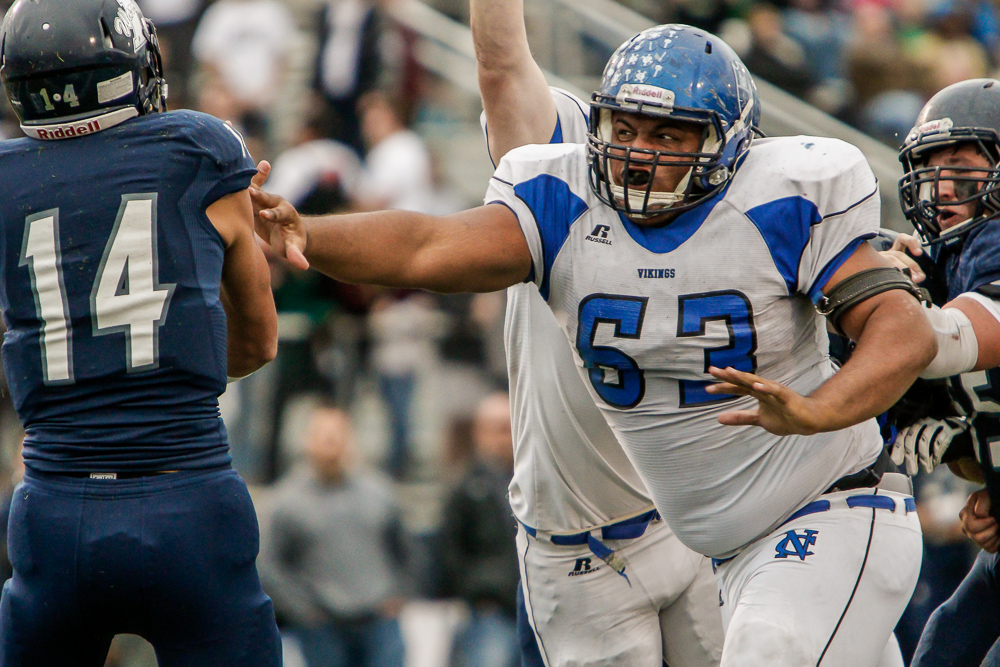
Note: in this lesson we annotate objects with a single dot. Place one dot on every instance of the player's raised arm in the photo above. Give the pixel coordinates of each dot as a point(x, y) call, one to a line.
point(252, 323)
point(519, 108)
point(478, 250)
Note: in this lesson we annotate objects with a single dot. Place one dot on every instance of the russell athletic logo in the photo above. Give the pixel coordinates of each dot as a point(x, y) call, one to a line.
point(583, 567)
point(600, 235)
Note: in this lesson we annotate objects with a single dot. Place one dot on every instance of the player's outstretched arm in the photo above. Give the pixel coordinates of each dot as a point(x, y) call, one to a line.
point(894, 344)
point(251, 320)
point(519, 108)
point(478, 250)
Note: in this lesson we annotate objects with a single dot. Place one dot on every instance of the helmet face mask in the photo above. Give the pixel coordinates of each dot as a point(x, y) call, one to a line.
point(681, 74)
point(71, 67)
point(962, 116)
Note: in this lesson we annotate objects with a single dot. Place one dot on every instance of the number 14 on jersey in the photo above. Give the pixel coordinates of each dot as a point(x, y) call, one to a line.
point(126, 296)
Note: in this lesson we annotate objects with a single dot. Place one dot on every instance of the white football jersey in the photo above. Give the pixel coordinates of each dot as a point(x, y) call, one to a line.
point(570, 473)
point(727, 283)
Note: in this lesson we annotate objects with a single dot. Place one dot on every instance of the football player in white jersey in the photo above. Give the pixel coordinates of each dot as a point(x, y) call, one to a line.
point(571, 477)
point(951, 194)
point(683, 261)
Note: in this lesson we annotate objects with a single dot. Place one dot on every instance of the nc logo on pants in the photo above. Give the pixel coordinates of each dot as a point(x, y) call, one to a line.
point(796, 545)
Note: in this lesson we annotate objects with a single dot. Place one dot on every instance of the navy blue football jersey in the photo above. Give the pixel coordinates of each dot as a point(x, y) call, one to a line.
point(115, 352)
point(976, 268)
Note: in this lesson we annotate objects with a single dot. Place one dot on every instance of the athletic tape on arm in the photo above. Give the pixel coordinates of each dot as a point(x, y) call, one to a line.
point(958, 348)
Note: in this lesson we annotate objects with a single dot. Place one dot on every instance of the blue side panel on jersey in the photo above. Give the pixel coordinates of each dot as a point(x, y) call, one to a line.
point(816, 290)
point(784, 224)
point(555, 208)
point(667, 238)
point(557, 133)
point(978, 263)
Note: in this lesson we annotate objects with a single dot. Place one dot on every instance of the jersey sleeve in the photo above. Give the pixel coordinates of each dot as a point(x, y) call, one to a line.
point(226, 163)
point(825, 204)
point(978, 270)
point(572, 115)
point(531, 181)
point(991, 304)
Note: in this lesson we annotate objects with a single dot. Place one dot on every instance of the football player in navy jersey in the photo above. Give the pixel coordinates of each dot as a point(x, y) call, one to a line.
point(951, 193)
point(132, 286)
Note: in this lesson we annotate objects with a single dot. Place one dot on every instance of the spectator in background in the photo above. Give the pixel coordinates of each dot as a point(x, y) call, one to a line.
point(773, 55)
point(399, 172)
point(332, 557)
point(477, 550)
point(243, 45)
point(317, 175)
point(175, 21)
point(404, 327)
point(885, 81)
point(824, 31)
point(948, 52)
point(348, 64)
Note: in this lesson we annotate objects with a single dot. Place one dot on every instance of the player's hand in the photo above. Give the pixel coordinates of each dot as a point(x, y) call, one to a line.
point(780, 410)
point(925, 442)
point(977, 523)
point(277, 222)
point(898, 257)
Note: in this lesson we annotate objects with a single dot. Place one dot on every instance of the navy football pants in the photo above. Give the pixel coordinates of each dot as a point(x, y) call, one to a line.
point(961, 631)
point(169, 557)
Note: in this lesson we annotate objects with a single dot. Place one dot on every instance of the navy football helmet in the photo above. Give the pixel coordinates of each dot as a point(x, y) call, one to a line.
point(72, 67)
point(681, 73)
point(965, 112)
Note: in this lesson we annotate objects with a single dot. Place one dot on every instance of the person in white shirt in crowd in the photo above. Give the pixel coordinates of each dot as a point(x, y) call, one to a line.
point(244, 46)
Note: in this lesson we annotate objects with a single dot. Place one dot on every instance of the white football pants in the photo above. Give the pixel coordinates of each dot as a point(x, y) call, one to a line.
point(825, 589)
point(584, 613)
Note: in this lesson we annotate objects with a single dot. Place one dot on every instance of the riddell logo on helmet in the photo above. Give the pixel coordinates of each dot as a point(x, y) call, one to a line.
point(69, 131)
point(941, 125)
point(633, 93)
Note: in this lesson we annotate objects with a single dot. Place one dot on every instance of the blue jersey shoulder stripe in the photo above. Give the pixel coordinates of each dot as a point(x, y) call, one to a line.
point(557, 133)
point(784, 224)
point(555, 208)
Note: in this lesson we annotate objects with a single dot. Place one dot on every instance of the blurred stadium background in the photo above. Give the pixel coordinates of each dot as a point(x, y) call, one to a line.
point(364, 104)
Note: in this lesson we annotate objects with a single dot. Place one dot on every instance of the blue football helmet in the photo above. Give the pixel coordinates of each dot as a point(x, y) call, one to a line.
point(685, 74)
point(71, 67)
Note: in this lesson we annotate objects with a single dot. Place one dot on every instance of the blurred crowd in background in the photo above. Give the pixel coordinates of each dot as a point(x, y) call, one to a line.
point(378, 444)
